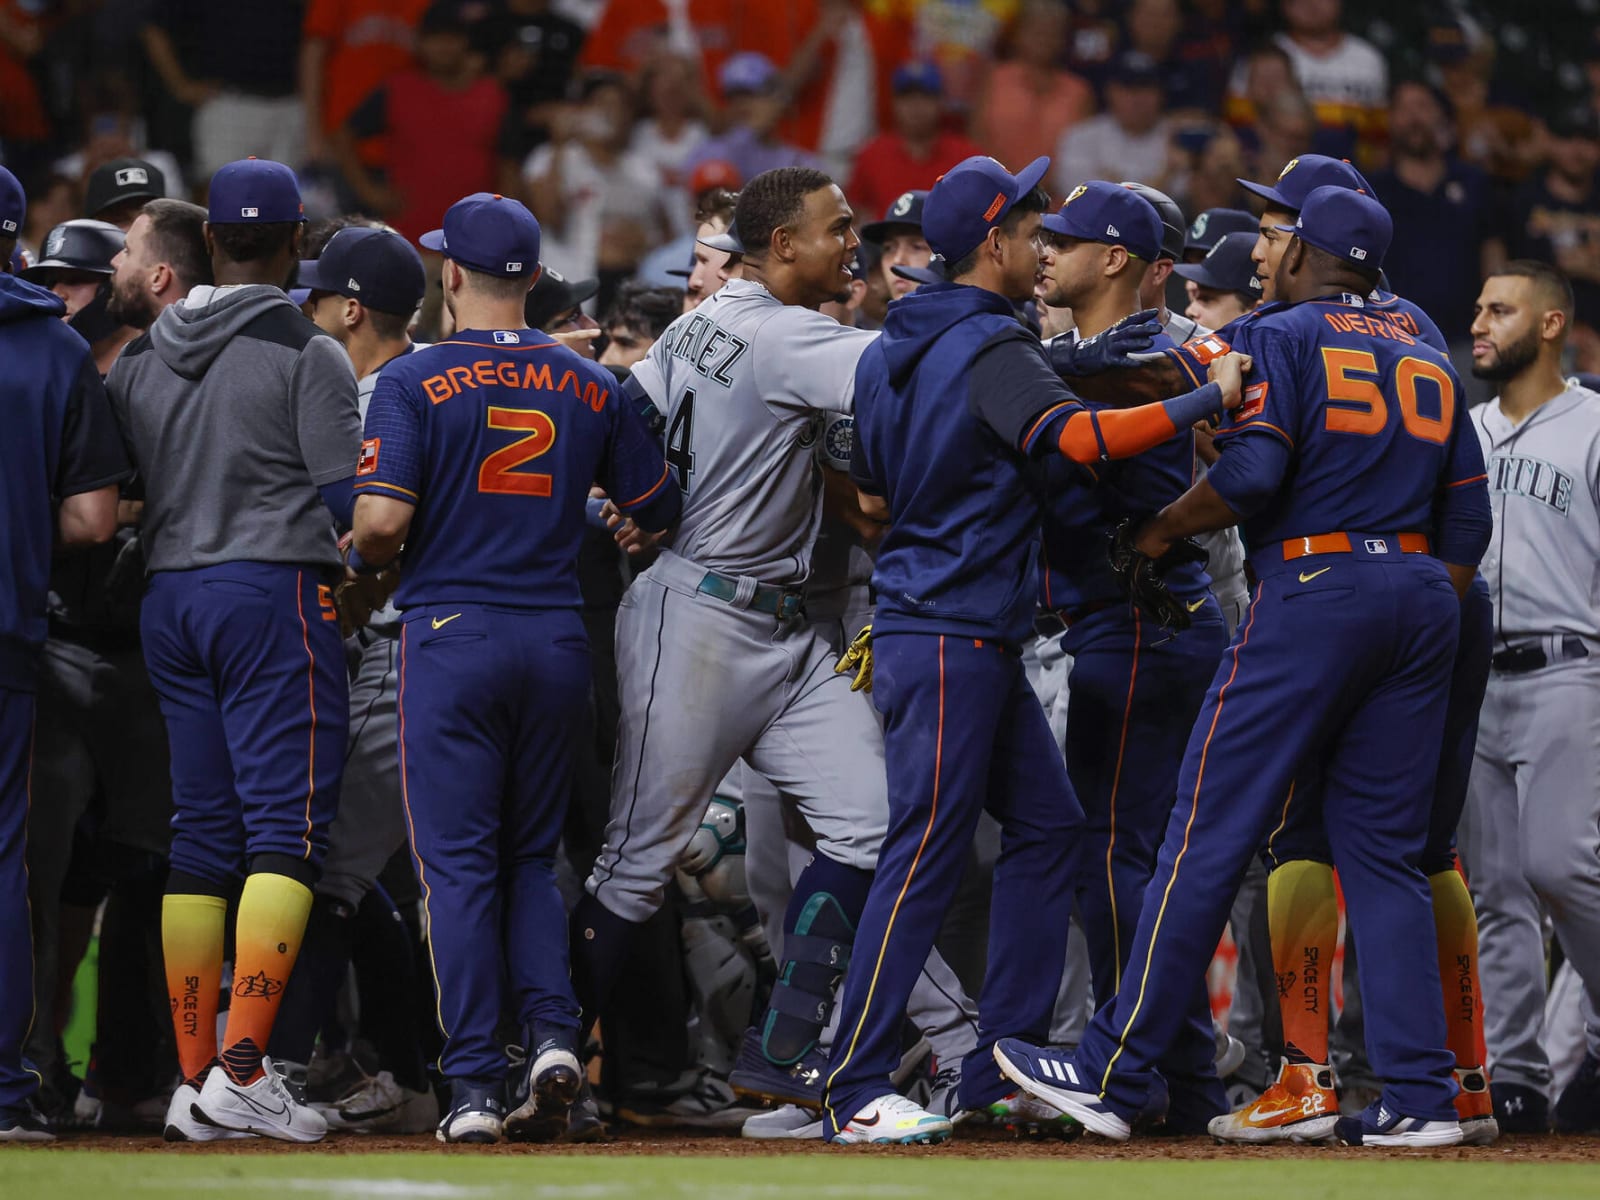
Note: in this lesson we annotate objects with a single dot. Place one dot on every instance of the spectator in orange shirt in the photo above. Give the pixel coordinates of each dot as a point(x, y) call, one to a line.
point(1028, 100)
point(916, 151)
point(348, 48)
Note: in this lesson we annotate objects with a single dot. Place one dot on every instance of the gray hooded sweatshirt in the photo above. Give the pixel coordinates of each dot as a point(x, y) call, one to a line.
point(236, 409)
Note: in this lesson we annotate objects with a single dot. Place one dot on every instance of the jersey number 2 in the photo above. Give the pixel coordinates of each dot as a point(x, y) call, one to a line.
point(680, 440)
point(498, 473)
point(1362, 407)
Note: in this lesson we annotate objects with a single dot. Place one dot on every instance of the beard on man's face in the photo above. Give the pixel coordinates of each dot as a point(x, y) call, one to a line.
point(1510, 360)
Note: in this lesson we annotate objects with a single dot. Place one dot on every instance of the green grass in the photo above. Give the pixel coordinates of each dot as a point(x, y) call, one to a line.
point(100, 1175)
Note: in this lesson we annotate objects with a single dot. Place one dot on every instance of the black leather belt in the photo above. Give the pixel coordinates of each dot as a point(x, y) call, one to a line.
point(1520, 659)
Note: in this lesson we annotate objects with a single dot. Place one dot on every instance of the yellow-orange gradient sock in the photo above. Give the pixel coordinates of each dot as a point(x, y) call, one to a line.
point(192, 929)
point(1303, 916)
point(272, 921)
point(1455, 925)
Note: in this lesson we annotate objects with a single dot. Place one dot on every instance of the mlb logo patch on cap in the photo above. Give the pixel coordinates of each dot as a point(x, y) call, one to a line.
point(128, 176)
point(256, 189)
point(488, 232)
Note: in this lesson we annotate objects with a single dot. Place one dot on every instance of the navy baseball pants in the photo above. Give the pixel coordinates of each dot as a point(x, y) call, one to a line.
point(490, 703)
point(963, 732)
point(1301, 836)
point(16, 929)
point(1133, 696)
point(249, 665)
point(1349, 666)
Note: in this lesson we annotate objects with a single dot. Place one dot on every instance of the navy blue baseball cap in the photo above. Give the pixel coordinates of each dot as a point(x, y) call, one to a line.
point(374, 266)
point(906, 210)
point(488, 232)
point(1302, 176)
point(917, 76)
point(1227, 266)
point(1211, 226)
point(1109, 213)
point(255, 191)
point(13, 205)
point(1347, 224)
point(970, 199)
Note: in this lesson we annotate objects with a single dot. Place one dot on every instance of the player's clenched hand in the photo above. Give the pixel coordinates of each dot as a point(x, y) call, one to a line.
point(360, 594)
point(628, 535)
point(858, 658)
point(1228, 371)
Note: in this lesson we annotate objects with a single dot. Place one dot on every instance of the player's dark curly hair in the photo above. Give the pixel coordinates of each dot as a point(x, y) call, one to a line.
point(716, 205)
point(253, 243)
point(320, 233)
point(644, 310)
point(1036, 201)
point(772, 200)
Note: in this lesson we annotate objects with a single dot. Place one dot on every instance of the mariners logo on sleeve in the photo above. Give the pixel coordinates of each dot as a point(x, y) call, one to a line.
point(838, 441)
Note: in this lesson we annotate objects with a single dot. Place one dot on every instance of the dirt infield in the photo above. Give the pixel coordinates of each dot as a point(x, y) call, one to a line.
point(972, 1144)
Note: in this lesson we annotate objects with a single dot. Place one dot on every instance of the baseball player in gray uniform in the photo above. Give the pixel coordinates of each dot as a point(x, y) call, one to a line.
point(1530, 835)
point(715, 660)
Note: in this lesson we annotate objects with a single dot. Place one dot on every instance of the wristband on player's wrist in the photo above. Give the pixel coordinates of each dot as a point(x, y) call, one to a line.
point(361, 566)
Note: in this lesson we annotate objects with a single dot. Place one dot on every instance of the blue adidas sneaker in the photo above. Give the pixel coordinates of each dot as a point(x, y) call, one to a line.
point(1049, 1075)
point(1377, 1125)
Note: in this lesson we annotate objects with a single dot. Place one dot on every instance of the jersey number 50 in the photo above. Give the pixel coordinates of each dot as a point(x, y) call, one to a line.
point(1362, 407)
point(498, 472)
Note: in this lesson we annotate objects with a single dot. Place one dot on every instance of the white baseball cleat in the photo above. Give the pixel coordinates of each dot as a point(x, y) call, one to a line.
point(181, 1126)
point(265, 1107)
point(893, 1121)
point(378, 1104)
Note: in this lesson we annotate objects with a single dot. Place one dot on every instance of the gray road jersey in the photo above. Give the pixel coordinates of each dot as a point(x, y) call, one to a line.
point(1543, 564)
point(743, 381)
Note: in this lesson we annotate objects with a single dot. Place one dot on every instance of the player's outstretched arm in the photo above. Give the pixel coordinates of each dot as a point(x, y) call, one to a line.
point(1092, 435)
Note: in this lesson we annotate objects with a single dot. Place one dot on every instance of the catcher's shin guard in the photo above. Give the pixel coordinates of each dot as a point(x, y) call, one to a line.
point(819, 932)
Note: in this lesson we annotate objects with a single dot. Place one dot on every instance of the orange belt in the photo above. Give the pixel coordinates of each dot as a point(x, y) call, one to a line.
point(1339, 543)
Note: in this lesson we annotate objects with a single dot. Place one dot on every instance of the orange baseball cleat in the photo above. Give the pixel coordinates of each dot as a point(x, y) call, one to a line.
point(1302, 1106)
